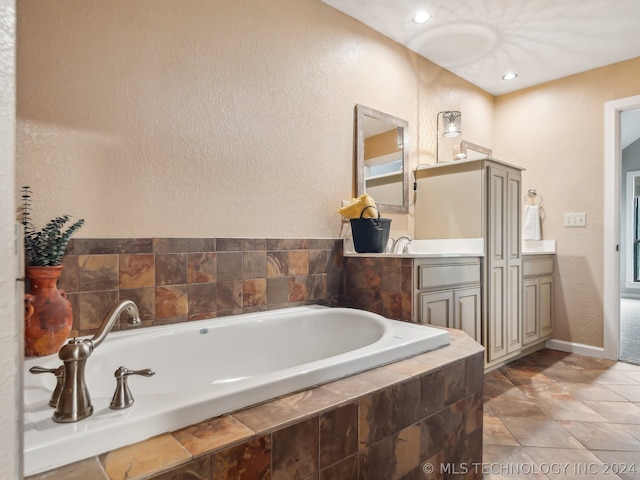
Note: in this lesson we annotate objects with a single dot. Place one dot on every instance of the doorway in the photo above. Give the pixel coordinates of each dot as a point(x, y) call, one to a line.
point(629, 347)
point(612, 221)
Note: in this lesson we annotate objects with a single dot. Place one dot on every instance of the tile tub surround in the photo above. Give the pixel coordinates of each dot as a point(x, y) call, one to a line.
point(392, 422)
point(380, 285)
point(179, 279)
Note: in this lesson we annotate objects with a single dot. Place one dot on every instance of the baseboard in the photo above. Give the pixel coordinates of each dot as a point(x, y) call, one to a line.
point(572, 347)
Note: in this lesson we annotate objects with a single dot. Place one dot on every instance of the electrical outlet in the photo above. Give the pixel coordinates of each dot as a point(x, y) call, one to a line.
point(575, 219)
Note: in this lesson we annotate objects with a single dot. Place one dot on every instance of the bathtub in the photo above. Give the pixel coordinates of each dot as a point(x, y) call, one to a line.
point(207, 368)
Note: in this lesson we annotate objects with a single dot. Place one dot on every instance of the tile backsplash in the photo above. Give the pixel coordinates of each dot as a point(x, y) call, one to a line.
point(380, 285)
point(179, 279)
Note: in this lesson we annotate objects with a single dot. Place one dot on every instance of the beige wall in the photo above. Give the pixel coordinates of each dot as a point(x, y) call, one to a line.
point(556, 132)
point(228, 118)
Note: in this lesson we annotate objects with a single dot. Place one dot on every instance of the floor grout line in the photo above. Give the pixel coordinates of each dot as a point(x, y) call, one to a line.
point(503, 393)
point(630, 330)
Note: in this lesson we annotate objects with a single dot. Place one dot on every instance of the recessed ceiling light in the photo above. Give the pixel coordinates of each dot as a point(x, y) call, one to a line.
point(421, 17)
point(509, 76)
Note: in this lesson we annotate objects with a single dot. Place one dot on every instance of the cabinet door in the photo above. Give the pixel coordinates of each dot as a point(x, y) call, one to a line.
point(436, 308)
point(496, 341)
point(530, 313)
point(496, 323)
point(514, 208)
point(514, 263)
point(546, 306)
point(504, 265)
point(514, 315)
point(466, 311)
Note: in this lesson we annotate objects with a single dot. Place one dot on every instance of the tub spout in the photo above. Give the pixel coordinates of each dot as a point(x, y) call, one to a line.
point(74, 403)
point(134, 319)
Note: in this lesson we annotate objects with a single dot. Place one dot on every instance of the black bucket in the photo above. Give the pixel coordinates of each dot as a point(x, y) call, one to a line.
point(370, 235)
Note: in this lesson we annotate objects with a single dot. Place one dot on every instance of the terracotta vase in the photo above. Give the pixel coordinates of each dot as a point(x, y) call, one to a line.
point(48, 317)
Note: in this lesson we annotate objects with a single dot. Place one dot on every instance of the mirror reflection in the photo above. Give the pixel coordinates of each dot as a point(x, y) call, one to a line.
point(381, 159)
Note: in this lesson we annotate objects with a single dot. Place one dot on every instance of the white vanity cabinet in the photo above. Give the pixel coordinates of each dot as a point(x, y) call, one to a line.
point(448, 294)
point(481, 199)
point(537, 296)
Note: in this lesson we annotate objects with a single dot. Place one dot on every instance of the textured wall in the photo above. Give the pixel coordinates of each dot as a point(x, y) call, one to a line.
point(230, 118)
point(10, 346)
point(556, 132)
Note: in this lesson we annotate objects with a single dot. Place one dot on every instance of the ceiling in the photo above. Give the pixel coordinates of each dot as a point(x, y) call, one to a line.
point(480, 40)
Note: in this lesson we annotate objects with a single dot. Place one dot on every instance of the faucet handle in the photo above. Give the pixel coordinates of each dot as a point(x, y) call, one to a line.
point(122, 397)
point(147, 372)
point(59, 373)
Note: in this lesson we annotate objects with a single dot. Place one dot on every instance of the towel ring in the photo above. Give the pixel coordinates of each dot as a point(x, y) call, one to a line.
point(533, 198)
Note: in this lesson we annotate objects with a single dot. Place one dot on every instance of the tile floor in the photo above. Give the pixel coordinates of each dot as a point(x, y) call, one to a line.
point(555, 415)
point(630, 330)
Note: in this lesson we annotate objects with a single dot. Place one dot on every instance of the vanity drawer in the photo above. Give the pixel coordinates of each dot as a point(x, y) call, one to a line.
point(446, 275)
point(537, 267)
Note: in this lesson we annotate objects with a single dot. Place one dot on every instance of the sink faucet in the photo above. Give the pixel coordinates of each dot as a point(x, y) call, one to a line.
point(74, 402)
point(396, 243)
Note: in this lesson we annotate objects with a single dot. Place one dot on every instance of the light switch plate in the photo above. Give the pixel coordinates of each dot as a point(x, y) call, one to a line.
point(575, 219)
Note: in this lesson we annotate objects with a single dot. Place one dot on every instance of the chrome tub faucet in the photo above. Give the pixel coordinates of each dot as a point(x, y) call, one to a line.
point(395, 246)
point(74, 402)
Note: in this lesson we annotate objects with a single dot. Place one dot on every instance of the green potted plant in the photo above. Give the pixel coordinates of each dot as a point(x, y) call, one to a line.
point(48, 315)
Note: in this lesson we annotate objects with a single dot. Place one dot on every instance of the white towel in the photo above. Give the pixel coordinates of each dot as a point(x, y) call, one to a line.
point(531, 223)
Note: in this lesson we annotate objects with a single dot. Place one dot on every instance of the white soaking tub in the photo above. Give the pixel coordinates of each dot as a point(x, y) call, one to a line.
point(207, 368)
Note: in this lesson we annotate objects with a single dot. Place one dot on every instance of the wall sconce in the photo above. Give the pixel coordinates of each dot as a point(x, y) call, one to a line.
point(451, 126)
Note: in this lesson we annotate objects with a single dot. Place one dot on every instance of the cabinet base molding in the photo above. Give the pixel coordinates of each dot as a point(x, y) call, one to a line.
point(528, 350)
point(573, 347)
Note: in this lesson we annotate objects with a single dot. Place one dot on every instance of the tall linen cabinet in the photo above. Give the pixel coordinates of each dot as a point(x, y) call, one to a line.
point(481, 199)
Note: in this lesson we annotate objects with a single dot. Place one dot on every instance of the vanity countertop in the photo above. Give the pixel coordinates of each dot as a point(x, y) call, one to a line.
point(450, 247)
point(538, 247)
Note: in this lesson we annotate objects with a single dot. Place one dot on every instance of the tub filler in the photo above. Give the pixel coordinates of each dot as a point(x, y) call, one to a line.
point(207, 368)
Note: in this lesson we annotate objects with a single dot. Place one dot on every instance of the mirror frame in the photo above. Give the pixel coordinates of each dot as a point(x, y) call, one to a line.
point(361, 112)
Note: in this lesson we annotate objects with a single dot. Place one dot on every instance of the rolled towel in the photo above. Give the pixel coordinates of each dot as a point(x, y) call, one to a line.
point(358, 206)
point(531, 223)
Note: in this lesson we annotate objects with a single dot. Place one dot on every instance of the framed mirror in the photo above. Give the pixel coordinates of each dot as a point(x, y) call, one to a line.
point(382, 168)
